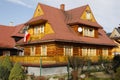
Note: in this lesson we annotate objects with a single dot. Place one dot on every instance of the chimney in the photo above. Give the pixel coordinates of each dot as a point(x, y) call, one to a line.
point(62, 7)
point(11, 24)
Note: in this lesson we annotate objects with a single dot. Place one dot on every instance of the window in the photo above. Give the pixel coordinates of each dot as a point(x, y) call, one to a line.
point(43, 50)
point(36, 30)
point(105, 52)
point(32, 51)
point(88, 15)
point(6, 53)
point(39, 29)
point(88, 51)
point(88, 32)
point(42, 29)
point(68, 50)
point(84, 52)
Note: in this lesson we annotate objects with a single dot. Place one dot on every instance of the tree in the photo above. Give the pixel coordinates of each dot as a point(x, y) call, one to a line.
point(7, 63)
point(17, 73)
point(5, 67)
point(75, 64)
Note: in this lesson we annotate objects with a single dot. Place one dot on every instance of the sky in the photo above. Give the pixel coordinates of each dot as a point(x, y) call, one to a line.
point(106, 12)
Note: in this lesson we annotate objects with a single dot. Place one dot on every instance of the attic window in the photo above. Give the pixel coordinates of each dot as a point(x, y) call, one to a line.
point(88, 14)
point(38, 10)
point(88, 32)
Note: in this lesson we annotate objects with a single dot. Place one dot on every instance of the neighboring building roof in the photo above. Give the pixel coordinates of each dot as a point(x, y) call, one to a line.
point(118, 29)
point(6, 33)
point(59, 21)
point(17, 30)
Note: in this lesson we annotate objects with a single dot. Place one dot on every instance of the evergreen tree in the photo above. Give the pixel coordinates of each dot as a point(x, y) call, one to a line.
point(17, 73)
point(5, 67)
point(7, 63)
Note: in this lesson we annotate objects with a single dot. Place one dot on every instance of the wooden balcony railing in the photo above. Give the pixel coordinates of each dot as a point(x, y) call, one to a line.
point(36, 59)
point(47, 60)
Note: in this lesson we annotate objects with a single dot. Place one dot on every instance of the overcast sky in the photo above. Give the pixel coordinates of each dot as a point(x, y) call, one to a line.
point(106, 12)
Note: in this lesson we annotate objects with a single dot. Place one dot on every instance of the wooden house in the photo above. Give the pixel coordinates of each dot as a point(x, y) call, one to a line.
point(115, 36)
point(56, 33)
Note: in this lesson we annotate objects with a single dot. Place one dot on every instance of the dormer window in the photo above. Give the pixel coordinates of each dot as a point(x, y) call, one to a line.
point(88, 32)
point(88, 15)
point(39, 29)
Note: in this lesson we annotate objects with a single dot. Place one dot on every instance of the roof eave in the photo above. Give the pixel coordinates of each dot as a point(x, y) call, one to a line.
point(71, 41)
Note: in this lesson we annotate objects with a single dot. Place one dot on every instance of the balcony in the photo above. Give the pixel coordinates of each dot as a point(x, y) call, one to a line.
point(35, 60)
point(48, 61)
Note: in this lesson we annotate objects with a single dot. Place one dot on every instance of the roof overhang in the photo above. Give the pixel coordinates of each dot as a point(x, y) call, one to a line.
point(36, 20)
point(68, 41)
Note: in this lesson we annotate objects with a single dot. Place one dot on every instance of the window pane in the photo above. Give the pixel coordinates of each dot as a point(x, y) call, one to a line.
point(68, 50)
point(105, 52)
point(43, 50)
point(42, 29)
point(32, 51)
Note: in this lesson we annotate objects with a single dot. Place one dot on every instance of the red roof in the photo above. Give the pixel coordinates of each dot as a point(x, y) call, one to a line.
point(6, 33)
point(59, 21)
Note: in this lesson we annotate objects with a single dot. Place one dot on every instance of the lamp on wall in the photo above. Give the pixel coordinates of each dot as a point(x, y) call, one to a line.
point(79, 29)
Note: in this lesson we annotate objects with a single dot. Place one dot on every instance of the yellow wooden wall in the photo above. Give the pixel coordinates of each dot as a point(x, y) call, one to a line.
point(38, 11)
point(84, 15)
point(47, 28)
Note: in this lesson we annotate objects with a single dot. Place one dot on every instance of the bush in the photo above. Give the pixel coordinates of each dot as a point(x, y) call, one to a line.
point(5, 67)
point(116, 62)
point(117, 74)
point(7, 63)
point(17, 73)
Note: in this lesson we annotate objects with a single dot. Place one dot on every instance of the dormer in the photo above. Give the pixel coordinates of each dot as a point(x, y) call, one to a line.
point(39, 25)
point(85, 31)
point(83, 22)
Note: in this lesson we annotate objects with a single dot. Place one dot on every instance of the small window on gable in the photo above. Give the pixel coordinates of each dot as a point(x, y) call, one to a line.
point(88, 14)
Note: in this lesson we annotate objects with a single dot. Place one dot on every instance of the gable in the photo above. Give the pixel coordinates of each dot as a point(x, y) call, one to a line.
point(114, 33)
point(87, 13)
point(38, 11)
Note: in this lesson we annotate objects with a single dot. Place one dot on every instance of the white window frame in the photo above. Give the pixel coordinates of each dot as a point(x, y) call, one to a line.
point(32, 51)
point(36, 30)
point(88, 51)
point(43, 50)
point(68, 50)
point(84, 51)
point(39, 29)
point(105, 52)
point(88, 15)
point(42, 28)
point(88, 32)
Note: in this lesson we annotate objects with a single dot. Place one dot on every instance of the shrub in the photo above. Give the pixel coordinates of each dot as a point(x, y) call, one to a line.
point(17, 73)
point(116, 62)
point(117, 74)
point(5, 67)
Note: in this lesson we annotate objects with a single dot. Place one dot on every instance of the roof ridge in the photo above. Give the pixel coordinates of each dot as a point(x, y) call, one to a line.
point(47, 5)
point(84, 6)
